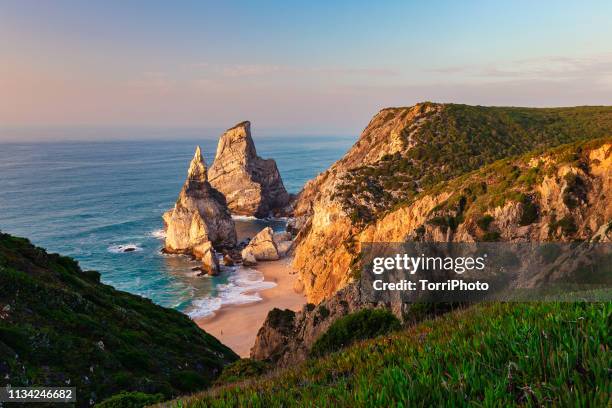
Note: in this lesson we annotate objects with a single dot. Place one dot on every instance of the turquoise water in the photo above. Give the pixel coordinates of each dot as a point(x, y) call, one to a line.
point(86, 200)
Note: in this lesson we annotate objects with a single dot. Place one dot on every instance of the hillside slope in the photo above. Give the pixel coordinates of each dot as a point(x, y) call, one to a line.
point(554, 354)
point(404, 152)
point(60, 326)
point(561, 195)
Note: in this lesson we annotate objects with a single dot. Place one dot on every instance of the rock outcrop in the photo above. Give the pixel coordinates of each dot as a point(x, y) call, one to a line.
point(559, 196)
point(206, 253)
point(200, 219)
point(266, 246)
point(262, 247)
point(252, 186)
point(377, 190)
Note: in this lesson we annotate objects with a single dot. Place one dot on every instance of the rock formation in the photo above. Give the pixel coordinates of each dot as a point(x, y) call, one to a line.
point(266, 246)
point(206, 253)
point(200, 219)
point(262, 247)
point(252, 186)
point(377, 190)
point(559, 196)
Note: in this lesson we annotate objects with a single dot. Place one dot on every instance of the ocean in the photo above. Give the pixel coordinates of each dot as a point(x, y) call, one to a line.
point(88, 200)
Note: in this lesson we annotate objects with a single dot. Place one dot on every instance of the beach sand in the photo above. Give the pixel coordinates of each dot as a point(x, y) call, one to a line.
point(237, 326)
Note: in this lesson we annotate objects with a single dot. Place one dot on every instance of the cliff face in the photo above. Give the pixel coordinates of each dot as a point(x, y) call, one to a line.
point(251, 185)
point(118, 341)
point(376, 191)
point(562, 196)
point(200, 215)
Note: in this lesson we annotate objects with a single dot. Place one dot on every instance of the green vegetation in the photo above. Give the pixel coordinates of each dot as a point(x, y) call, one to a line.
point(60, 324)
point(574, 192)
point(484, 222)
point(281, 319)
point(364, 324)
point(130, 400)
point(530, 211)
point(460, 139)
point(553, 354)
point(512, 180)
point(241, 369)
point(566, 226)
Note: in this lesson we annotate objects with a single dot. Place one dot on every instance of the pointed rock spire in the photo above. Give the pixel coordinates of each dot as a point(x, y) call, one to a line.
point(197, 168)
point(251, 185)
point(200, 216)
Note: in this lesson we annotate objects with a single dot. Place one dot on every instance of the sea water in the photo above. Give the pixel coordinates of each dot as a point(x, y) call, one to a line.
point(92, 200)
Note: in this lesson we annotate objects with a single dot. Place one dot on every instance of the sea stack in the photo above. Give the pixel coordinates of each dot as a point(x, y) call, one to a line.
point(252, 186)
point(200, 218)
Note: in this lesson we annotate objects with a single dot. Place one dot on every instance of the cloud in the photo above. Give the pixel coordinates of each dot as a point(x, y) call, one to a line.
point(546, 68)
point(272, 70)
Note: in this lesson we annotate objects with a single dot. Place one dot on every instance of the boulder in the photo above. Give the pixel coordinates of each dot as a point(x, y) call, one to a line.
point(199, 215)
point(283, 247)
point(282, 236)
point(251, 185)
point(206, 253)
point(262, 246)
point(227, 260)
point(248, 259)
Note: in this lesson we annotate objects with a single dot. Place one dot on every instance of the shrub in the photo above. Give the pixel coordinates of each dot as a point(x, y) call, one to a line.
point(130, 400)
point(484, 222)
point(530, 212)
point(574, 192)
point(360, 325)
point(188, 381)
point(281, 319)
point(241, 369)
point(567, 225)
point(491, 236)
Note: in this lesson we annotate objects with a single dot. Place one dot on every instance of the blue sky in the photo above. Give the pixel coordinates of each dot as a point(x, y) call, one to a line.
point(290, 67)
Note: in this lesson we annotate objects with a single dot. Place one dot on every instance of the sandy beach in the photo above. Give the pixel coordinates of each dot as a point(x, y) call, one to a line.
point(237, 326)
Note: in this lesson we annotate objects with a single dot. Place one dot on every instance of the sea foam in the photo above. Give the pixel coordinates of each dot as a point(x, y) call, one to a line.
point(159, 234)
point(124, 248)
point(243, 287)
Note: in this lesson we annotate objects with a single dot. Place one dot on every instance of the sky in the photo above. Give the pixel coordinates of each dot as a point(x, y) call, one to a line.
point(103, 69)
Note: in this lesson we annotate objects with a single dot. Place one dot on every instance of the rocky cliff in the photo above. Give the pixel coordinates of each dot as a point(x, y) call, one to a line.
point(375, 192)
point(562, 195)
point(251, 185)
point(200, 217)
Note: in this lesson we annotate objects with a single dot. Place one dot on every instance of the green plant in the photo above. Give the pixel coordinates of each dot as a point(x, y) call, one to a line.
point(567, 225)
point(242, 369)
point(575, 190)
point(492, 355)
point(121, 338)
point(484, 222)
point(360, 325)
point(529, 212)
point(281, 319)
point(130, 400)
point(490, 236)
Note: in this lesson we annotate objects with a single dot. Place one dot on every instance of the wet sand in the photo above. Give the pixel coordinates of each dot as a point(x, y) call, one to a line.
point(237, 326)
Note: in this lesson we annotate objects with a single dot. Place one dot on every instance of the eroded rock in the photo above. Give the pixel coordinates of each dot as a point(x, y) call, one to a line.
point(251, 185)
point(262, 247)
point(200, 216)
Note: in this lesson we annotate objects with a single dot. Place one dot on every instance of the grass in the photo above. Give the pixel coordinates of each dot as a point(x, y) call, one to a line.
point(60, 325)
point(515, 179)
point(364, 324)
point(553, 354)
point(460, 139)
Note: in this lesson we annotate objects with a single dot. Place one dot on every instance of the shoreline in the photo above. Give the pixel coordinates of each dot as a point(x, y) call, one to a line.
point(236, 326)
